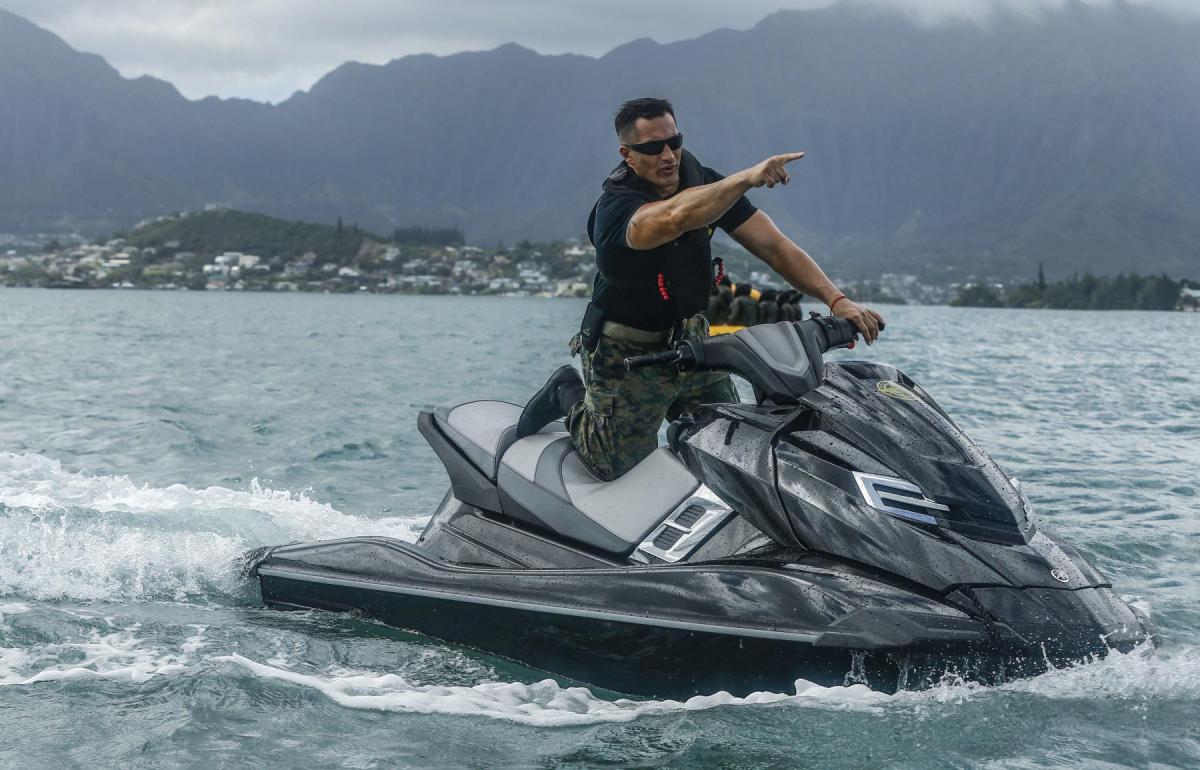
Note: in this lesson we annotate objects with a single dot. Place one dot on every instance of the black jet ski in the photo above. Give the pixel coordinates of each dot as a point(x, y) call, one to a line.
point(842, 528)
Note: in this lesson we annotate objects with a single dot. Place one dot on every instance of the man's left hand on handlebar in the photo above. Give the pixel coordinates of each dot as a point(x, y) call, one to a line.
point(869, 322)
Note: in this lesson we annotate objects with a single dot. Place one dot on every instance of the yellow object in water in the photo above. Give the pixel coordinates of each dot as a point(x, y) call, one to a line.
point(716, 329)
point(754, 293)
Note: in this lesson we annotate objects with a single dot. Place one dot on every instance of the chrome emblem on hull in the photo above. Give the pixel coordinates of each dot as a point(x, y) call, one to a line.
point(1060, 575)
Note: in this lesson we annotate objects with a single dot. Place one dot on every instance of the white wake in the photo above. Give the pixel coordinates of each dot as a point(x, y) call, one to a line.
point(66, 534)
point(1140, 674)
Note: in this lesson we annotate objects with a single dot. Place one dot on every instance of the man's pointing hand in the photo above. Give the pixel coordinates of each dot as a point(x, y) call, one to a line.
point(771, 171)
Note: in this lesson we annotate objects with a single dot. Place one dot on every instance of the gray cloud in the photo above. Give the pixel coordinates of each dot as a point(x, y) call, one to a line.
point(266, 49)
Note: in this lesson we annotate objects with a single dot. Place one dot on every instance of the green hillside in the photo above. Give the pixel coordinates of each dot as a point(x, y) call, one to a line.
point(221, 230)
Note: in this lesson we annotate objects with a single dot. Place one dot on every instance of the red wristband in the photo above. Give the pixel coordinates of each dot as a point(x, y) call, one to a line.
point(833, 304)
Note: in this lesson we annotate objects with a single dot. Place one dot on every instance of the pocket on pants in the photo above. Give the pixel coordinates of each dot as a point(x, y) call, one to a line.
point(600, 405)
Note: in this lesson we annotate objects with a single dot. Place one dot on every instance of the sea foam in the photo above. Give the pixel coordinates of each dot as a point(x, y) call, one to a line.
point(545, 703)
point(119, 655)
point(67, 534)
point(1140, 674)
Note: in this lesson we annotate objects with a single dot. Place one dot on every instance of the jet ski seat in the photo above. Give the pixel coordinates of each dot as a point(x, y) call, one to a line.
point(543, 482)
point(482, 430)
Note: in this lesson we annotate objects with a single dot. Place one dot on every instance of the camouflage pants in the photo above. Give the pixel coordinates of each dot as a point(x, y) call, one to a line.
point(616, 424)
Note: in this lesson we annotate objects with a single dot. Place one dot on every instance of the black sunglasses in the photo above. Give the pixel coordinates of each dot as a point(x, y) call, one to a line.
point(656, 147)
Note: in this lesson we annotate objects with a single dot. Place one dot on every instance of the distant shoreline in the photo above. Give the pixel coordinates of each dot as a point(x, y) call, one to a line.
point(229, 250)
point(285, 292)
point(210, 292)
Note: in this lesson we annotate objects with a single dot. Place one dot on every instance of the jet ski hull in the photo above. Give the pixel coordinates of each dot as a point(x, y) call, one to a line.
point(664, 631)
point(617, 655)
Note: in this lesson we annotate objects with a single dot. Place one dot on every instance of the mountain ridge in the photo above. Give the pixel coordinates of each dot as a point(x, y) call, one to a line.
point(947, 150)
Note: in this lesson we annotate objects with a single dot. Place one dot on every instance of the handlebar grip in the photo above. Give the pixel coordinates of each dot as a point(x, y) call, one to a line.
point(838, 332)
point(651, 359)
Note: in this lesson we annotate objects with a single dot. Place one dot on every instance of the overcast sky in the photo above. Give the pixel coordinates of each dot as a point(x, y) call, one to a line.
point(267, 49)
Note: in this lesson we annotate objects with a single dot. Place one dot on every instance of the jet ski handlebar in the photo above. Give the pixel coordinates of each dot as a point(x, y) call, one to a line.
point(833, 332)
point(825, 332)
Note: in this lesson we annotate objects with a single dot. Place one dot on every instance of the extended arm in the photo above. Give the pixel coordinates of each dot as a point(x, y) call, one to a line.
point(763, 239)
point(663, 221)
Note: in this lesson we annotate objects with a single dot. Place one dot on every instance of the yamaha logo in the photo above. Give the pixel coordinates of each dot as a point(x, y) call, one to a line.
point(1060, 575)
point(896, 390)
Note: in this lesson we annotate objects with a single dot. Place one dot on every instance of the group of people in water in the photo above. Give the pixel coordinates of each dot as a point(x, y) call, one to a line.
point(734, 305)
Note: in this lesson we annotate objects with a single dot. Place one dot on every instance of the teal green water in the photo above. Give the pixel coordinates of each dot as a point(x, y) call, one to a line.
point(147, 439)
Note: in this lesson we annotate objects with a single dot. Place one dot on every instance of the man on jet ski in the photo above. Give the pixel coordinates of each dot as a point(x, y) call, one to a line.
point(651, 228)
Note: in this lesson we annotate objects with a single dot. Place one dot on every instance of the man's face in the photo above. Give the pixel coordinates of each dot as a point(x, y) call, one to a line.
point(660, 170)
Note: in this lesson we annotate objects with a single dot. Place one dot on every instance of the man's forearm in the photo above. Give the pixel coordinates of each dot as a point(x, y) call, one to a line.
point(763, 239)
point(693, 208)
point(700, 206)
point(663, 221)
point(801, 271)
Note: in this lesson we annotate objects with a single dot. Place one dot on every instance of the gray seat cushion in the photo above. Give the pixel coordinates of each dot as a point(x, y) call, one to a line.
point(544, 482)
point(481, 430)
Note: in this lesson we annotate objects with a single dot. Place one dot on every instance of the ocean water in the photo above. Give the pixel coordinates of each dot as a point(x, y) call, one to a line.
point(148, 439)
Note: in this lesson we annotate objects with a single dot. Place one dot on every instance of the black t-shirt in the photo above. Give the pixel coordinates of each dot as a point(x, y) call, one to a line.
point(615, 208)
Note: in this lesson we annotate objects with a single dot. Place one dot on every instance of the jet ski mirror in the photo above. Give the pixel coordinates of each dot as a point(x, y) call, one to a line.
point(783, 361)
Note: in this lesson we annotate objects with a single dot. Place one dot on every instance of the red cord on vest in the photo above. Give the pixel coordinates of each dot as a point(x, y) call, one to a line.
point(662, 288)
point(720, 271)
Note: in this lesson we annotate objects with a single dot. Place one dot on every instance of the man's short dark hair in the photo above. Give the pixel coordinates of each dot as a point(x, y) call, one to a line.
point(646, 107)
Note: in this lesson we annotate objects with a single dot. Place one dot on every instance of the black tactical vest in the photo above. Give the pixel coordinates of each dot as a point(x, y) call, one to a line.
point(663, 285)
